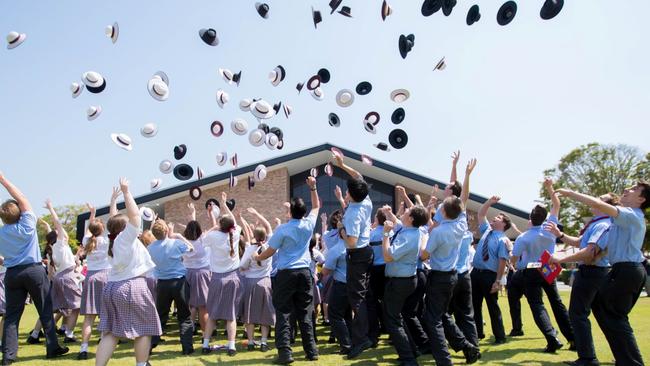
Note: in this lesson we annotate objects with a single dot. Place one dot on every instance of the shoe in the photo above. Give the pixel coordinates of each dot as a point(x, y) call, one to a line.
point(357, 350)
point(344, 351)
point(188, 352)
point(283, 360)
point(231, 352)
point(69, 340)
point(500, 341)
point(206, 350)
point(59, 331)
point(82, 355)
point(7, 361)
point(572, 346)
point(58, 352)
point(313, 357)
point(32, 340)
point(375, 343)
point(481, 336)
point(516, 333)
point(553, 346)
point(472, 354)
point(583, 362)
point(264, 347)
point(326, 323)
point(332, 339)
point(251, 346)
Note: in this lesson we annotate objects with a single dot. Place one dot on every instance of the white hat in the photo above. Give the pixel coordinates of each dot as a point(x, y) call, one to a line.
point(76, 89)
point(318, 94)
point(233, 181)
point(239, 126)
point(365, 159)
point(195, 193)
point(216, 128)
point(222, 158)
point(344, 98)
point(162, 76)
point(112, 32)
point(277, 75)
point(94, 81)
point(260, 173)
point(257, 137)
point(147, 214)
point(245, 105)
point(272, 141)
point(93, 112)
point(122, 140)
point(14, 39)
point(166, 166)
point(399, 95)
point(313, 172)
point(229, 77)
point(158, 89)
point(222, 98)
point(261, 109)
point(199, 173)
point(370, 122)
point(233, 160)
point(149, 130)
point(155, 184)
point(287, 110)
point(313, 82)
point(328, 169)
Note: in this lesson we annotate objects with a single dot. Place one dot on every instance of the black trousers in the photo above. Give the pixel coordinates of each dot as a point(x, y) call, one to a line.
point(515, 287)
point(359, 262)
point(178, 291)
point(413, 312)
point(19, 281)
point(375, 299)
point(616, 298)
point(534, 283)
point(463, 329)
point(440, 286)
point(482, 281)
point(399, 289)
point(585, 287)
point(293, 293)
point(339, 311)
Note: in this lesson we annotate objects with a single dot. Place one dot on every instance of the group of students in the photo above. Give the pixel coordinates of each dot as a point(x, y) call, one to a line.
point(415, 273)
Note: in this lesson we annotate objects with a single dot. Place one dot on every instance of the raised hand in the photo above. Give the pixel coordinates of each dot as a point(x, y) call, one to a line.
point(252, 211)
point(471, 164)
point(48, 204)
point(455, 156)
point(311, 182)
point(338, 159)
point(116, 193)
point(224, 196)
point(388, 226)
point(124, 185)
point(494, 199)
point(552, 228)
point(400, 190)
point(323, 217)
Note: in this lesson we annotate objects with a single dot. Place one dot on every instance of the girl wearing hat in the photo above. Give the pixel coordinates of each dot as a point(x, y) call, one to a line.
point(66, 293)
point(127, 288)
point(224, 292)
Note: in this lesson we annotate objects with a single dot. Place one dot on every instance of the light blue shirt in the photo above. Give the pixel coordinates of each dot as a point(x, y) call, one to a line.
point(424, 233)
point(464, 263)
point(19, 241)
point(274, 263)
point(594, 234)
point(331, 238)
point(444, 243)
point(523, 256)
point(534, 241)
point(357, 219)
point(335, 261)
point(292, 240)
point(625, 236)
point(376, 236)
point(438, 217)
point(167, 254)
point(497, 248)
point(405, 250)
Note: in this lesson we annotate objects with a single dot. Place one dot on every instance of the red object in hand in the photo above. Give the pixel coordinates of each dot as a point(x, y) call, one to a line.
point(548, 271)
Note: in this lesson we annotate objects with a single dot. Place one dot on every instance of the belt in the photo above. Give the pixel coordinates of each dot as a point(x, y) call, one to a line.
point(590, 267)
point(479, 270)
point(627, 264)
point(375, 243)
point(22, 266)
point(171, 279)
point(433, 271)
point(401, 278)
point(354, 250)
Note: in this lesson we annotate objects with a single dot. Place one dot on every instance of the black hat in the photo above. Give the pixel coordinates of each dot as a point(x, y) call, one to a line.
point(364, 88)
point(195, 193)
point(398, 138)
point(346, 11)
point(473, 15)
point(277, 132)
point(211, 200)
point(264, 127)
point(382, 146)
point(551, 8)
point(507, 12)
point(398, 116)
point(448, 6)
point(231, 204)
point(324, 75)
point(334, 120)
point(209, 36)
point(237, 77)
point(251, 182)
point(405, 44)
point(183, 172)
point(429, 7)
point(262, 9)
point(299, 87)
point(313, 82)
point(334, 4)
point(280, 144)
point(277, 106)
point(180, 151)
point(386, 10)
point(316, 16)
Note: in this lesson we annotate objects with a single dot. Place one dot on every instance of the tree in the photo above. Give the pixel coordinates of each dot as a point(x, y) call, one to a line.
point(596, 169)
point(68, 216)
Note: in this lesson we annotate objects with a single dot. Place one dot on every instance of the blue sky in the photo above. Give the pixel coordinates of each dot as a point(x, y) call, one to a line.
point(516, 97)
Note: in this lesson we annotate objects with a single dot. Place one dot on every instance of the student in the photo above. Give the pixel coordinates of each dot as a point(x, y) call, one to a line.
point(335, 267)
point(534, 242)
point(377, 281)
point(356, 233)
point(330, 238)
point(225, 285)
point(25, 273)
point(292, 291)
point(3, 303)
point(167, 253)
point(623, 284)
point(317, 258)
point(489, 266)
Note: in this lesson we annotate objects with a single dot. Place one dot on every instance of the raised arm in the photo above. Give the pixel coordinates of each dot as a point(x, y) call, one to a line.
point(262, 219)
point(388, 212)
point(482, 212)
point(15, 193)
point(339, 197)
point(60, 231)
point(246, 229)
point(192, 209)
point(177, 236)
point(46, 226)
point(132, 210)
point(454, 162)
point(555, 200)
point(464, 196)
point(224, 206)
point(401, 192)
point(385, 241)
point(338, 159)
point(573, 241)
point(93, 215)
point(211, 218)
point(315, 202)
point(323, 223)
point(593, 202)
point(113, 206)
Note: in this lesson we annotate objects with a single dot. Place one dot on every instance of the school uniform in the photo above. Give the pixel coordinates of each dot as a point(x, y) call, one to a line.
point(515, 289)
point(293, 287)
point(66, 292)
point(357, 219)
point(623, 284)
point(98, 266)
point(126, 288)
point(172, 285)
point(197, 263)
point(377, 283)
point(316, 258)
point(535, 241)
point(413, 310)
point(490, 250)
point(339, 306)
point(257, 300)
point(3, 302)
point(330, 239)
point(225, 286)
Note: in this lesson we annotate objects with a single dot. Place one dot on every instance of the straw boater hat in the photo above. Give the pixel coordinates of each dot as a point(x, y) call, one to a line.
point(93, 112)
point(257, 137)
point(251, 182)
point(277, 75)
point(233, 160)
point(222, 98)
point(262, 10)
point(280, 144)
point(94, 81)
point(507, 12)
point(158, 88)
point(239, 126)
point(313, 82)
point(261, 109)
point(155, 184)
point(15, 39)
point(318, 94)
point(112, 32)
point(229, 77)
point(398, 138)
point(398, 116)
point(440, 65)
point(232, 183)
point(122, 141)
point(222, 158)
point(399, 95)
point(199, 173)
point(215, 206)
point(313, 172)
point(245, 105)
point(180, 151)
point(166, 166)
point(272, 141)
point(76, 89)
point(334, 120)
point(209, 36)
point(473, 15)
point(287, 110)
point(195, 193)
point(277, 131)
point(260, 173)
point(183, 172)
point(365, 159)
point(370, 122)
point(382, 146)
point(147, 214)
point(550, 9)
point(329, 170)
point(149, 130)
point(162, 76)
point(216, 128)
point(386, 10)
point(344, 98)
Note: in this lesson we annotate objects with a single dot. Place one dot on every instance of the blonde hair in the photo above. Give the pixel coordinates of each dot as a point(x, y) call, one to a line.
point(259, 233)
point(159, 229)
point(96, 228)
point(147, 237)
point(10, 212)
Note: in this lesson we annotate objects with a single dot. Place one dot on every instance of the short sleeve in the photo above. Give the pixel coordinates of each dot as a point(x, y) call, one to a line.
point(553, 219)
point(27, 222)
point(128, 235)
point(602, 240)
point(352, 222)
point(626, 216)
point(432, 243)
point(246, 258)
point(597, 232)
point(311, 220)
point(503, 249)
point(318, 256)
point(518, 249)
point(399, 248)
point(275, 241)
point(485, 225)
point(182, 247)
point(438, 216)
point(331, 258)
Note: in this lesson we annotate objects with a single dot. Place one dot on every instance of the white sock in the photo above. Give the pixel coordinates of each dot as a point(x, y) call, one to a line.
point(69, 333)
point(231, 344)
point(141, 363)
point(35, 333)
point(206, 342)
point(84, 347)
point(264, 340)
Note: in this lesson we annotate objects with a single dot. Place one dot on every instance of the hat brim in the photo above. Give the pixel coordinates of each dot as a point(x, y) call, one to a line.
point(258, 174)
point(550, 9)
point(179, 176)
point(148, 135)
point(237, 131)
point(94, 87)
point(215, 42)
point(155, 187)
point(218, 132)
point(79, 90)
point(114, 137)
point(21, 38)
point(96, 114)
point(154, 95)
point(502, 18)
point(166, 171)
point(364, 88)
point(398, 116)
point(398, 138)
point(195, 193)
point(224, 159)
point(400, 95)
point(270, 113)
point(258, 142)
point(116, 32)
point(220, 102)
point(317, 97)
point(312, 80)
point(342, 103)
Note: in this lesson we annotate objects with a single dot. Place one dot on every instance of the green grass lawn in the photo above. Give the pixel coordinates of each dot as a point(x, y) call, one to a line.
point(526, 350)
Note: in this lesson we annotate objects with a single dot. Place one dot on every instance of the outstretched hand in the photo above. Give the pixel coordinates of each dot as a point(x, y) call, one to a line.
point(338, 159)
point(494, 199)
point(455, 156)
point(116, 193)
point(124, 185)
point(471, 164)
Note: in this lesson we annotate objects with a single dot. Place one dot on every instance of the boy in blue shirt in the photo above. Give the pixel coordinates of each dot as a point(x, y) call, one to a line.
point(339, 307)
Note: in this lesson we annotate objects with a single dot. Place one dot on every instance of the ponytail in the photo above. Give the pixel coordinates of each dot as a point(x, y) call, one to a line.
point(96, 228)
point(232, 245)
point(91, 244)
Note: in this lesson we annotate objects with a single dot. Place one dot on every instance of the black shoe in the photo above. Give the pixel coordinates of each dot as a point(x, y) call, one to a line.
point(312, 357)
point(70, 340)
point(472, 354)
point(332, 339)
point(481, 336)
point(251, 346)
point(232, 352)
point(516, 333)
point(344, 351)
point(326, 323)
point(59, 331)
point(500, 341)
point(375, 343)
point(553, 346)
point(206, 350)
point(32, 340)
point(187, 352)
point(82, 355)
point(357, 350)
point(264, 347)
point(283, 360)
point(583, 362)
point(572, 346)
point(7, 361)
point(58, 352)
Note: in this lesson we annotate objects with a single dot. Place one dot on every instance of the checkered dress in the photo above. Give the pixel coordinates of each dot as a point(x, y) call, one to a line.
point(91, 294)
point(66, 293)
point(3, 303)
point(199, 280)
point(224, 295)
point(257, 302)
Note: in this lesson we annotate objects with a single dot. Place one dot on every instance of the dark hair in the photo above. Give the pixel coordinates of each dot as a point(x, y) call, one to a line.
point(334, 219)
point(50, 239)
point(115, 225)
point(298, 208)
point(645, 193)
point(538, 215)
point(381, 217)
point(242, 246)
point(452, 207)
point(506, 220)
point(611, 198)
point(312, 243)
point(358, 189)
point(192, 230)
point(226, 225)
point(419, 215)
point(10, 212)
point(456, 188)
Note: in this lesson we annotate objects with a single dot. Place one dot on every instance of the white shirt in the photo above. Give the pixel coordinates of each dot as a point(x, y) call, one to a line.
point(98, 258)
point(130, 257)
point(199, 257)
point(317, 258)
point(62, 256)
point(219, 243)
point(3, 269)
point(250, 268)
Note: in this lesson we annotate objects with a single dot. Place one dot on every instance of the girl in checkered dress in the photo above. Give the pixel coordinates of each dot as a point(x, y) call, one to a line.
point(128, 309)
